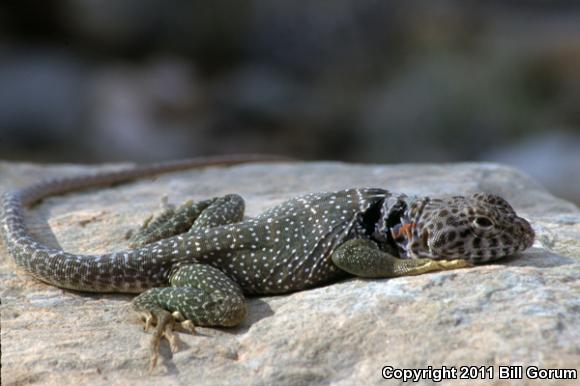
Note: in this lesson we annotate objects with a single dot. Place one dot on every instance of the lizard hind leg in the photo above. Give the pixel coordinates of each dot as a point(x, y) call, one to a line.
point(189, 217)
point(199, 295)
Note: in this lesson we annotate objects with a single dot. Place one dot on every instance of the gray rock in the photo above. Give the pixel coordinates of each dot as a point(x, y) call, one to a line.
point(524, 310)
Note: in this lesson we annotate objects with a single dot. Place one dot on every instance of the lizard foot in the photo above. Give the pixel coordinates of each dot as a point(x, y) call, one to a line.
point(428, 265)
point(219, 302)
point(445, 265)
point(184, 324)
point(163, 324)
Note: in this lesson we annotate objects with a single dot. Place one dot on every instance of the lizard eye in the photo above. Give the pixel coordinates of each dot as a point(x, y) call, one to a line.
point(483, 223)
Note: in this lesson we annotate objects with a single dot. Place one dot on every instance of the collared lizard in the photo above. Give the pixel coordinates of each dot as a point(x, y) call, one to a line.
point(195, 263)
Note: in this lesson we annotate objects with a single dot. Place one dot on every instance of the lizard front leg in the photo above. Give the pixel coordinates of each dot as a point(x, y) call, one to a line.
point(364, 258)
point(200, 295)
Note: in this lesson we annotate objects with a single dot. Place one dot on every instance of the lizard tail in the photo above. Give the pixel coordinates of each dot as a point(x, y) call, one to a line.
point(127, 271)
point(33, 193)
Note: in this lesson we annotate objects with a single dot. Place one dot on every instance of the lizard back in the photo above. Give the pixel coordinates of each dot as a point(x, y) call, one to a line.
point(288, 247)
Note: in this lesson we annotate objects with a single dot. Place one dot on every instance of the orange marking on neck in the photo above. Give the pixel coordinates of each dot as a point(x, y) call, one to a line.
point(407, 230)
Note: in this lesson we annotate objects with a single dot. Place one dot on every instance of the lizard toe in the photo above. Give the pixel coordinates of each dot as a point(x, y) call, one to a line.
point(163, 329)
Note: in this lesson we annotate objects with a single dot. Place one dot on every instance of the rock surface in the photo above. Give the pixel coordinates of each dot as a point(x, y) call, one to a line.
point(524, 310)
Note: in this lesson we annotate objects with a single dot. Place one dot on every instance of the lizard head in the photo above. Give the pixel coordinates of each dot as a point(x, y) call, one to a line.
point(479, 228)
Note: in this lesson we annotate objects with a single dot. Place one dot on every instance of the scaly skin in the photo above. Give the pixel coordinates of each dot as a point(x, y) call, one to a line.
point(194, 264)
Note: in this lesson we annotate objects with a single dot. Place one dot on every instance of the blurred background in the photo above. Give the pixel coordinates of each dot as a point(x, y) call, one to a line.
point(353, 80)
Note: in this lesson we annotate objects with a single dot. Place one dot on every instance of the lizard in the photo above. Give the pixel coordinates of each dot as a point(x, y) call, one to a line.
point(195, 264)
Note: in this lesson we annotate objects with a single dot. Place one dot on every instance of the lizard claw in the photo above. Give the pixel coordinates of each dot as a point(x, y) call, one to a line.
point(148, 319)
point(164, 328)
point(188, 325)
